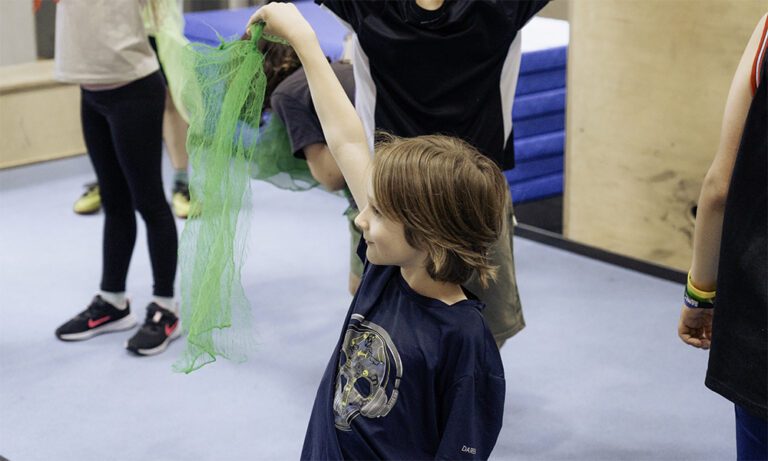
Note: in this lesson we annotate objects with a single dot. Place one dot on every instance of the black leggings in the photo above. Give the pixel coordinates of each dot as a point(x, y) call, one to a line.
point(123, 133)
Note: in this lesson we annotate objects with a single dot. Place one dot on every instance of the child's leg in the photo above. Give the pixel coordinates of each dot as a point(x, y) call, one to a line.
point(119, 217)
point(751, 436)
point(136, 121)
point(174, 127)
point(175, 135)
point(503, 311)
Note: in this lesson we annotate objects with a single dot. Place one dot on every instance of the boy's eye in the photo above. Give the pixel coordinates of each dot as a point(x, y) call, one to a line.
point(375, 210)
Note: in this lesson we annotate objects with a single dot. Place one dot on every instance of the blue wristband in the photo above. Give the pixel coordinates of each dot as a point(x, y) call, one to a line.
point(692, 303)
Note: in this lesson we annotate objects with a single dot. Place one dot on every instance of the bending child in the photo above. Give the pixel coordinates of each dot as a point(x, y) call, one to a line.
point(416, 373)
point(287, 96)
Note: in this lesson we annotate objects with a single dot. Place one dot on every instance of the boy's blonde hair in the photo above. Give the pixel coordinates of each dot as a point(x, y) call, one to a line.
point(450, 198)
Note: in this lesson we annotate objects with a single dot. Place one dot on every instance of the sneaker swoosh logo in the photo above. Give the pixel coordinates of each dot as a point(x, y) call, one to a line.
point(169, 328)
point(94, 323)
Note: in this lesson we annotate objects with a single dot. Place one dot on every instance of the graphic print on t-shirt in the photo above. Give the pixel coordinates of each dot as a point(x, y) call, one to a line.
point(366, 363)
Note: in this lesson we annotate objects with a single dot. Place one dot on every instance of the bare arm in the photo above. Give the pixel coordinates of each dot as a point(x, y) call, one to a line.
point(709, 216)
point(342, 127)
point(695, 324)
point(323, 166)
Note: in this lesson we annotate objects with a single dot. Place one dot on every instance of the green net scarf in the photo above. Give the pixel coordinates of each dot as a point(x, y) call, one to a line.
point(223, 93)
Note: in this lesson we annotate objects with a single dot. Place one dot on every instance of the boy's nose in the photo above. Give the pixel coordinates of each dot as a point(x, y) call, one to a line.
point(360, 221)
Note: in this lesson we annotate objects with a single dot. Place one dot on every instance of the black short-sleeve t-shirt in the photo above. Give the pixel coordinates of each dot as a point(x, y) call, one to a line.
point(449, 71)
point(738, 357)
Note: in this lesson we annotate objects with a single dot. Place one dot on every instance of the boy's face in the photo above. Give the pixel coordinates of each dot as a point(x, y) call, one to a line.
point(386, 238)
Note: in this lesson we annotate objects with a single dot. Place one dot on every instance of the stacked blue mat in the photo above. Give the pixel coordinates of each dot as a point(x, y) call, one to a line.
point(538, 114)
point(538, 120)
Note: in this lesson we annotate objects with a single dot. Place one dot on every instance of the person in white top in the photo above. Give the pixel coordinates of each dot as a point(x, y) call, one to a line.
point(102, 45)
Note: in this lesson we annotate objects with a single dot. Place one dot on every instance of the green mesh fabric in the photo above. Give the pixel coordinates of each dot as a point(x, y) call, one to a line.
point(164, 21)
point(224, 96)
point(273, 160)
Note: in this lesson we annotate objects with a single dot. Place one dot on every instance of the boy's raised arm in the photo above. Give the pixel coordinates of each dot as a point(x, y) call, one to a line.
point(342, 127)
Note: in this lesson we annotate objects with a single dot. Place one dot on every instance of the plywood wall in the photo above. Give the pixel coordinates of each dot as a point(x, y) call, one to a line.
point(557, 9)
point(647, 83)
point(39, 117)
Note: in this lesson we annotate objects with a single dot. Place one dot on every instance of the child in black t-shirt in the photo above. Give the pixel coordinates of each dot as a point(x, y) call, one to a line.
point(416, 373)
point(725, 302)
point(450, 67)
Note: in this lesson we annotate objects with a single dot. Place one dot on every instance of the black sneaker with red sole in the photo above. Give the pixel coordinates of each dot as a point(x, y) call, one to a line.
point(100, 317)
point(161, 326)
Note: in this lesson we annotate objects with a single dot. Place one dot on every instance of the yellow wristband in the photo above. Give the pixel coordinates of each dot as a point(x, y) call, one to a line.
point(702, 295)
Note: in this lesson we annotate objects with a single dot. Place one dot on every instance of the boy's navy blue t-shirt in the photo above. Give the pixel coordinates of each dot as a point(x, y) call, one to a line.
point(410, 378)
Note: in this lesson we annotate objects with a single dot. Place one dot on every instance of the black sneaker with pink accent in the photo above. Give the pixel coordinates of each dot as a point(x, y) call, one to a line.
point(100, 317)
point(161, 326)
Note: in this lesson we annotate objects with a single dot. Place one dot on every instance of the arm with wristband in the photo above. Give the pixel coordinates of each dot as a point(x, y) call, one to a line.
point(695, 325)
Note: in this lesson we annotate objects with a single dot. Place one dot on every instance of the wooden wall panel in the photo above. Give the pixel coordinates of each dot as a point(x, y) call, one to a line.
point(647, 83)
point(39, 117)
point(558, 9)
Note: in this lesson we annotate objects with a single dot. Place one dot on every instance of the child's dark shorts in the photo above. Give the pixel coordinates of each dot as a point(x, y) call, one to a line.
point(503, 311)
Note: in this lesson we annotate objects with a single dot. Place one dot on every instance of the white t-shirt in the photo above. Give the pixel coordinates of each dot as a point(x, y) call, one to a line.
point(101, 42)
